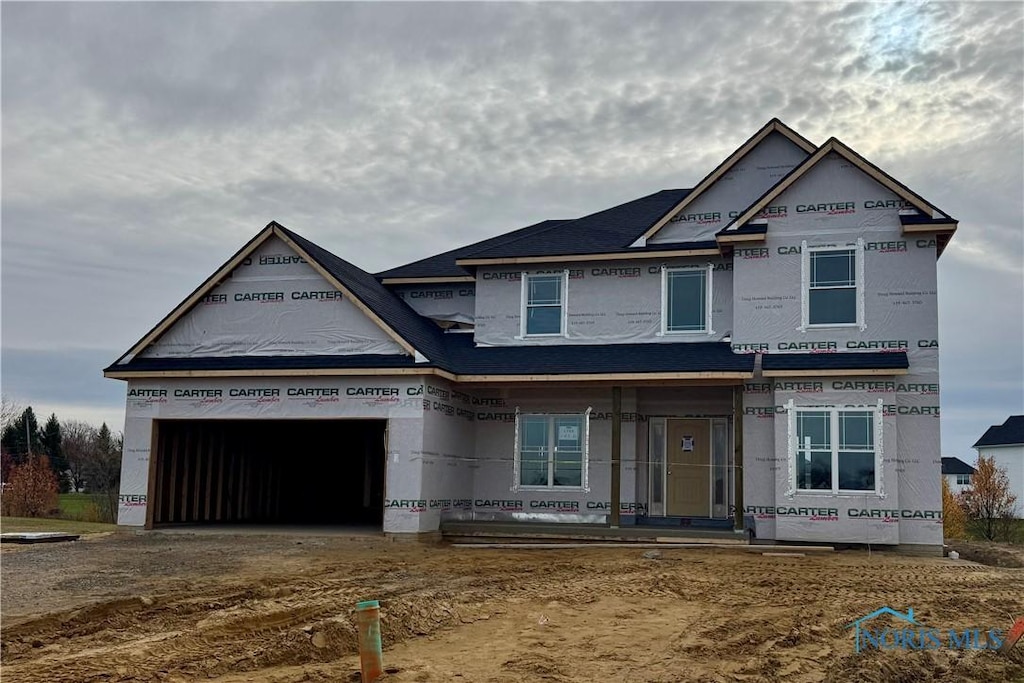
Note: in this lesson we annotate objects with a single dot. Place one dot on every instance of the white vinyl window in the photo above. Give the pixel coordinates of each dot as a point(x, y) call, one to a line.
point(836, 450)
point(686, 300)
point(833, 292)
point(963, 479)
point(544, 305)
point(551, 451)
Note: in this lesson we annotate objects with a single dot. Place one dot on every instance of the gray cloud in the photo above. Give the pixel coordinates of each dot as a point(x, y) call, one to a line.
point(143, 143)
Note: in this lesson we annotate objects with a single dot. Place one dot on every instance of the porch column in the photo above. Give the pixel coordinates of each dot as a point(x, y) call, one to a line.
point(613, 518)
point(737, 440)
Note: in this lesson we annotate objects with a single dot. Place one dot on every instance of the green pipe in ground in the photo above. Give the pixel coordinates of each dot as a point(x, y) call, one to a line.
point(371, 657)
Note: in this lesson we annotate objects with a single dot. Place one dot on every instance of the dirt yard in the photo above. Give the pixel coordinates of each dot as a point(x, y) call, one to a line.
point(182, 607)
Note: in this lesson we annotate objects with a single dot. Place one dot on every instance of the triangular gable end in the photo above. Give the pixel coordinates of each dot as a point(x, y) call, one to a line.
point(775, 131)
point(912, 199)
point(368, 325)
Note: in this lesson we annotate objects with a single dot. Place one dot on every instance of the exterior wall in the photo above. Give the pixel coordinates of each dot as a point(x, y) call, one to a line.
point(495, 494)
point(953, 486)
point(608, 302)
point(273, 304)
point(909, 508)
point(451, 302)
point(760, 169)
point(448, 457)
point(899, 314)
point(1010, 458)
point(398, 400)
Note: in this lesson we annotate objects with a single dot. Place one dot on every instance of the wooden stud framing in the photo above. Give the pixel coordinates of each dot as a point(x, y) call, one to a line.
point(173, 479)
point(152, 492)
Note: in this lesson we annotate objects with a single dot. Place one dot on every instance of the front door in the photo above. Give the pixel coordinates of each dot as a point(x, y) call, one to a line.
point(688, 471)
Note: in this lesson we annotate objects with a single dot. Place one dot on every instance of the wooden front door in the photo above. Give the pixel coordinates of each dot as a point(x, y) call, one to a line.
point(688, 468)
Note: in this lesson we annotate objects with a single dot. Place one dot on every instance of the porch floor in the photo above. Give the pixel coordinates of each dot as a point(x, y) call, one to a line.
point(490, 532)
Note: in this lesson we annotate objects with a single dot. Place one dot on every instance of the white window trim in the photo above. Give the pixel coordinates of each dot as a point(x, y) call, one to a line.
point(708, 296)
point(524, 290)
point(833, 411)
point(805, 286)
point(585, 473)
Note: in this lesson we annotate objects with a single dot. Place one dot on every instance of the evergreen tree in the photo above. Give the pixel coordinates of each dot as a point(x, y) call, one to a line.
point(21, 437)
point(53, 446)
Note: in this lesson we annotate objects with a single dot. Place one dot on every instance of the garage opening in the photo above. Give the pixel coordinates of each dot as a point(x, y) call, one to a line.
point(269, 472)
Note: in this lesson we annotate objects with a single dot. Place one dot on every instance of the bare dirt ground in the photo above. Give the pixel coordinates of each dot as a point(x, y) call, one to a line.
point(182, 607)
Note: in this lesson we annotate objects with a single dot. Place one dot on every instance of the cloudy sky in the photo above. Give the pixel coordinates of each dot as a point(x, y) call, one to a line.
point(144, 143)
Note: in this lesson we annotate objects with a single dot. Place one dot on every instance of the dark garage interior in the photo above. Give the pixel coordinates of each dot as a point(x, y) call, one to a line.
point(310, 472)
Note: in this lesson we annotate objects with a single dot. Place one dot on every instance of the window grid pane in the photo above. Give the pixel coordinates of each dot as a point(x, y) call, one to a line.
point(544, 304)
point(687, 301)
point(833, 268)
point(551, 452)
point(545, 290)
point(852, 451)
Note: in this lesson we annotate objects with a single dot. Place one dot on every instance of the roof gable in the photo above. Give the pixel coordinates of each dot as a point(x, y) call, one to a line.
point(386, 311)
point(1010, 433)
point(273, 303)
point(837, 148)
point(769, 153)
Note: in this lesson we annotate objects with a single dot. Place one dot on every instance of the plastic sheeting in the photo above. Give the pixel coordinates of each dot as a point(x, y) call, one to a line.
point(762, 167)
point(273, 304)
point(398, 400)
point(451, 303)
point(898, 289)
point(606, 303)
point(836, 204)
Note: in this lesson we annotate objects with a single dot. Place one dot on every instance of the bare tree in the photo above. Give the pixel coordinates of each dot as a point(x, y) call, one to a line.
point(9, 411)
point(78, 440)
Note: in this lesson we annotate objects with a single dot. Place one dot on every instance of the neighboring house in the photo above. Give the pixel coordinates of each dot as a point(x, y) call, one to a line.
point(758, 350)
point(957, 474)
point(1005, 444)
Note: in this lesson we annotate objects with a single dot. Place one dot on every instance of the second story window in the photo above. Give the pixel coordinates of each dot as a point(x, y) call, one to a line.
point(686, 300)
point(544, 303)
point(833, 286)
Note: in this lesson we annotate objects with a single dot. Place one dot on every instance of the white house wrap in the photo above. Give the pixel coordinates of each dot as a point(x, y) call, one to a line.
point(764, 345)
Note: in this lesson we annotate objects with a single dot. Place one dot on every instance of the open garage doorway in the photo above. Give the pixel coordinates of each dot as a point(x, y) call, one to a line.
point(303, 472)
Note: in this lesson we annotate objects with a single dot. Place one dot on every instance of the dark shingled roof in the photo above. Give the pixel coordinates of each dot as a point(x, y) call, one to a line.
point(606, 231)
point(1010, 433)
point(443, 265)
point(594, 358)
point(835, 361)
point(956, 466)
point(462, 357)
